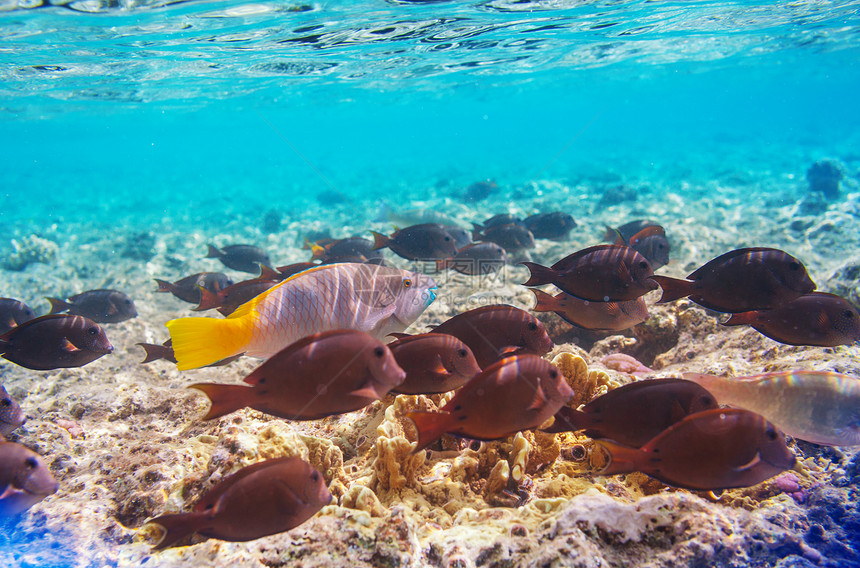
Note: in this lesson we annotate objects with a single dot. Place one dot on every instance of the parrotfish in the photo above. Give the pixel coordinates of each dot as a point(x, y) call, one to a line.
point(24, 479)
point(54, 341)
point(494, 332)
point(475, 259)
point(817, 319)
point(513, 237)
point(188, 289)
point(320, 375)
point(244, 258)
point(418, 242)
point(155, 352)
point(101, 306)
point(555, 226)
point(608, 316)
point(266, 498)
point(635, 413)
point(742, 280)
point(714, 449)
point(433, 362)
point(816, 406)
point(514, 394)
point(11, 415)
point(13, 312)
point(602, 273)
point(366, 297)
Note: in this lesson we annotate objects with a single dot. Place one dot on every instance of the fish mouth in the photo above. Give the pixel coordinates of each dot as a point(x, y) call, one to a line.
point(104, 350)
point(431, 294)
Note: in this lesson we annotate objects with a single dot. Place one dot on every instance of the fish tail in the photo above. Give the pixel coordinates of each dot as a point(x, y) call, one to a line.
point(208, 300)
point(545, 302)
point(742, 318)
point(213, 252)
point(153, 352)
point(430, 426)
point(176, 527)
point(622, 459)
point(58, 305)
point(567, 420)
point(224, 399)
point(164, 286)
point(539, 274)
point(198, 342)
point(379, 240)
point(673, 288)
point(611, 234)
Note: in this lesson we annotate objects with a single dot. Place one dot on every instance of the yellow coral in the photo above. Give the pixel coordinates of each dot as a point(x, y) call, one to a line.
point(586, 384)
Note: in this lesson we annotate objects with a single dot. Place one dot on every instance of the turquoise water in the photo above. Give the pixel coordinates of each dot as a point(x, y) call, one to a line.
point(202, 111)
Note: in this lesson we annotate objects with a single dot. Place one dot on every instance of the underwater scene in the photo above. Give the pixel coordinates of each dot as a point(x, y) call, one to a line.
point(417, 283)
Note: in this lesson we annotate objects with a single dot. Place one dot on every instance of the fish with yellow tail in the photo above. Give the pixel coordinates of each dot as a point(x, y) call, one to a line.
point(375, 299)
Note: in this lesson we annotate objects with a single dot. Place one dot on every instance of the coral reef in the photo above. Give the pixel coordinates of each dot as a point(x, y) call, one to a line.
point(29, 250)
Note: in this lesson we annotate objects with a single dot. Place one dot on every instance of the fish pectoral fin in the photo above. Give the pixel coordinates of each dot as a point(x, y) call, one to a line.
point(69, 346)
point(750, 464)
point(539, 400)
point(509, 350)
point(367, 391)
point(112, 310)
point(438, 368)
point(8, 491)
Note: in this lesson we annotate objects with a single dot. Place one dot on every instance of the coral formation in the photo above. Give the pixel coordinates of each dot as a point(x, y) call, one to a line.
point(29, 250)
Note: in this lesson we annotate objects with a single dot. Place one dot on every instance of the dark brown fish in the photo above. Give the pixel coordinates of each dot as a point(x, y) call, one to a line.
point(742, 280)
point(555, 226)
point(627, 230)
point(188, 289)
point(651, 242)
point(462, 237)
point(635, 413)
point(480, 190)
point(54, 341)
point(290, 269)
point(101, 306)
point(715, 449)
point(164, 352)
point(433, 363)
point(817, 319)
point(13, 312)
point(514, 394)
point(603, 316)
point(320, 375)
point(11, 415)
point(602, 273)
point(352, 249)
point(24, 479)
point(227, 300)
point(245, 258)
point(266, 498)
point(428, 241)
point(476, 258)
point(494, 332)
point(512, 237)
point(500, 219)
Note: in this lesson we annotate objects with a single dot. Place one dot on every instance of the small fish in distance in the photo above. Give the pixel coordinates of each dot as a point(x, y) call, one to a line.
point(715, 449)
point(188, 289)
point(418, 242)
point(635, 413)
point(555, 226)
point(602, 273)
point(11, 415)
point(816, 319)
point(326, 373)
point(54, 341)
point(433, 363)
point(262, 499)
point(14, 312)
point(101, 306)
point(742, 280)
point(513, 237)
point(517, 393)
point(244, 258)
point(24, 479)
point(356, 249)
point(475, 259)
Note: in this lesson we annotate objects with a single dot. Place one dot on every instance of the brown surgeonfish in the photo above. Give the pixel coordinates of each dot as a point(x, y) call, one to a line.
point(513, 237)
point(188, 289)
point(262, 499)
point(555, 226)
point(11, 415)
point(352, 249)
point(54, 341)
point(816, 319)
point(291, 269)
point(715, 449)
point(24, 479)
point(605, 316)
point(647, 238)
point(433, 363)
point(635, 413)
point(320, 375)
point(602, 273)
point(101, 306)
point(742, 280)
point(14, 312)
point(514, 394)
point(475, 259)
point(244, 258)
point(494, 332)
point(227, 300)
point(428, 241)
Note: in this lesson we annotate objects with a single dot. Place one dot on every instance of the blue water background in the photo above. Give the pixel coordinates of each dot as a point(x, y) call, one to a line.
point(676, 106)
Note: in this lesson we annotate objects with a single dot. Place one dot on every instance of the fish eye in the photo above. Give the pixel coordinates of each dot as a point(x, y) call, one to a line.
point(643, 265)
point(128, 302)
point(407, 282)
point(553, 374)
point(93, 331)
point(6, 402)
point(447, 238)
point(315, 475)
point(771, 434)
point(31, 463)
point(379, 351)
point(532, 326)
point(461, 352)
point(706, 400)
point(794, 266)
point(848, 314)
